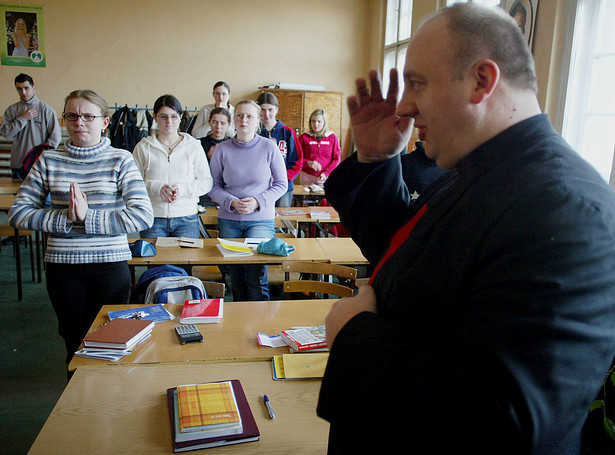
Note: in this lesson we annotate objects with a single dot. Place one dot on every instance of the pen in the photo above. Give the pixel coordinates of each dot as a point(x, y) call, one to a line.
point(269, 408)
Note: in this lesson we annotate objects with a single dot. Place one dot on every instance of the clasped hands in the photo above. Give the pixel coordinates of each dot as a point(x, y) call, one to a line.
point(77, 203)
point(169, 193)
point(245, 205)
point(317, 167)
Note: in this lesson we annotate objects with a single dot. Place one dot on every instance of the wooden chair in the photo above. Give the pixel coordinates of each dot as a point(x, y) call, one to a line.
point(214, 289)
point(314, 286)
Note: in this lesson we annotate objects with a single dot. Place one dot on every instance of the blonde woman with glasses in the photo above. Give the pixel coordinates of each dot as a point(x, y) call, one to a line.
point(97, 197)
point(176, 173)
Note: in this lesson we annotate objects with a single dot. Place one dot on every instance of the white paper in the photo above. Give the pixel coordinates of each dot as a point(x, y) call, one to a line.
point(273, 342)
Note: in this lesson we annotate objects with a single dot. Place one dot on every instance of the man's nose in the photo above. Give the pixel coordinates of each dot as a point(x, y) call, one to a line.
point(407, 107)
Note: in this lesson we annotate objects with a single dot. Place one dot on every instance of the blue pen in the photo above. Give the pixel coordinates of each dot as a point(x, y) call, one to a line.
point(269, 408)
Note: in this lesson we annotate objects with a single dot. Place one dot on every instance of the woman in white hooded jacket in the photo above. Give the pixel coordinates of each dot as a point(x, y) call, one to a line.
point(175, 171)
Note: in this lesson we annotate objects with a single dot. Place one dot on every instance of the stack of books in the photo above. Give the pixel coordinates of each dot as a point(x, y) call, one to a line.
point(320, 215)
point(117, 338)
point(305, 339)
point(210, 415)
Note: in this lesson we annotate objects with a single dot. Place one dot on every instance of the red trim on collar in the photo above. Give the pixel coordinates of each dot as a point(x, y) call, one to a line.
point(399, 238)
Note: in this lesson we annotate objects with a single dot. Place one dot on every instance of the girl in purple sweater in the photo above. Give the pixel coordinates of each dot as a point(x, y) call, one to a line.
point(249, 177)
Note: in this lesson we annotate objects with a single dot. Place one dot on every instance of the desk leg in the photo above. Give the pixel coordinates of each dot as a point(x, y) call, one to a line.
point(17, 249)
point(38, 240)
point(325, 228)
point(132, 275)
point(31, 246)
point(303, 228)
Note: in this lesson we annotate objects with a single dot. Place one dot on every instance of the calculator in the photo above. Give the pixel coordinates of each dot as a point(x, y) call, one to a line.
point(188, 333)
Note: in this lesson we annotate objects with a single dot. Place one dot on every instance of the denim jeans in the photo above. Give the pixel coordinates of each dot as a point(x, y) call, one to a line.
point(181, 226)
point(286, 200)
point(248, 282)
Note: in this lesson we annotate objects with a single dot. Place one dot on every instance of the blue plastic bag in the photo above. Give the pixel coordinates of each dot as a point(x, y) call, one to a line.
point(275, 246)
point(142, 249)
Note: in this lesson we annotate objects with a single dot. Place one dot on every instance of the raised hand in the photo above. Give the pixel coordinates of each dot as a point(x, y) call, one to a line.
point(378, 132)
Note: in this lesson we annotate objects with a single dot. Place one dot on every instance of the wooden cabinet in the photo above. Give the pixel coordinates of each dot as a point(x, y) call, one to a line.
point(297, 105)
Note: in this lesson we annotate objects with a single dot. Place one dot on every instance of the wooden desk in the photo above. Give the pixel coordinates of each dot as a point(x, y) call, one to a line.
point(302, 192)
point(306, 222)
point(342, 250)
point(305, 250)
point(233, 339)
point(6, 201)
point(9, 185)
point(122, 409)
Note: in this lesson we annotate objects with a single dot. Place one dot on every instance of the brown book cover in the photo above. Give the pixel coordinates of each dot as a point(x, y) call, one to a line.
point(119, 333)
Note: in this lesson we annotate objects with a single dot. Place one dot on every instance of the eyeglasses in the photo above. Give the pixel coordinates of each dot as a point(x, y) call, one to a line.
point(245, 116)
point(164, 117)
point(71, 117)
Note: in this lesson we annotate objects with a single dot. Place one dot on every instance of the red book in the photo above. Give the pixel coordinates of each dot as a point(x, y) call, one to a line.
point(202, 310)
point(305, 339)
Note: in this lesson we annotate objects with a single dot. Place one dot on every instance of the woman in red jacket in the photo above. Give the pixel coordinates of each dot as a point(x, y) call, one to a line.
point(321, 150)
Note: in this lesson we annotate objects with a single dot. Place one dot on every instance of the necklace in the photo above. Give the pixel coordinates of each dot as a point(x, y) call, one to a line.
point(171, 147)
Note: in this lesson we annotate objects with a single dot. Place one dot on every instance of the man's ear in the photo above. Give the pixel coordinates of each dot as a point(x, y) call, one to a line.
point(486, 75)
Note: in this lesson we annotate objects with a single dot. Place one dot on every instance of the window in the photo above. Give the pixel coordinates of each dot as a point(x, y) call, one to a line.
point(589, 111)
point(482, 2)
point(397, 34)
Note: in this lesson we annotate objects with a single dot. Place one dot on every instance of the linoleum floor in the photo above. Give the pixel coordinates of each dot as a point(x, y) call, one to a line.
point(32, 368)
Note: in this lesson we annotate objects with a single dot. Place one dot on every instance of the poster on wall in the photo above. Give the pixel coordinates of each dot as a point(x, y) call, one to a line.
point(23, 42)
point(524, 13)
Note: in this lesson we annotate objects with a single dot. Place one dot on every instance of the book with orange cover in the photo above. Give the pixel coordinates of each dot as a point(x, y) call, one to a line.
point(185, 441)
point(202, 310)
point(210, 405)
point(119, 333)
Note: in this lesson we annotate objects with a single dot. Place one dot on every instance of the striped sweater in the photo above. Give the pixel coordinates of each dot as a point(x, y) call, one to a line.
point(117, 203)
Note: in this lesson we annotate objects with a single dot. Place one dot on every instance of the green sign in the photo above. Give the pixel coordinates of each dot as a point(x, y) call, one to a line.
point(23, 38)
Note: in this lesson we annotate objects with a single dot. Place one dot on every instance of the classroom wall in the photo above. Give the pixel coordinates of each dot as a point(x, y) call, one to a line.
point(133, 51)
